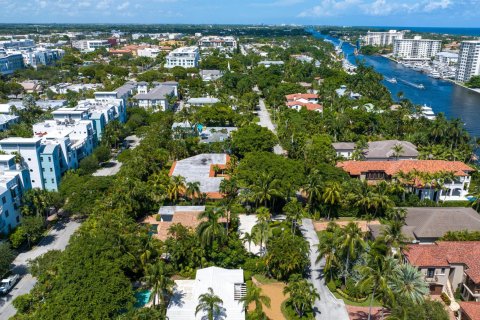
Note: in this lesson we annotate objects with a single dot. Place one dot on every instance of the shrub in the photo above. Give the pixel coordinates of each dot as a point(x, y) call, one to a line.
point(445, 298)
point(18, 237)
point(346, 296)
point(23, 303)
point(332, 286)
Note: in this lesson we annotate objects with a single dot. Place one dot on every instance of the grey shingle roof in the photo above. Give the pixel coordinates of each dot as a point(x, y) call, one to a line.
point(435, 222)
point(384, 149)
point(157, 93)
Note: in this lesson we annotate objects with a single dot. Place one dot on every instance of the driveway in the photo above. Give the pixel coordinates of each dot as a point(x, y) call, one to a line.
point(57, 239)
point(266, 121)
point(328, 307)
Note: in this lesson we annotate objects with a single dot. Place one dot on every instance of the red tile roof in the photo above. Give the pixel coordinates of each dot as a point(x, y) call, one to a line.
point(444, 253)
point(297, 96)
point(471, 309)
point(391, 168)
point(309, 106)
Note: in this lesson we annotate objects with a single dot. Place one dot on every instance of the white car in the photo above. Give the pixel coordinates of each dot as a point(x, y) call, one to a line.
point(7, 284)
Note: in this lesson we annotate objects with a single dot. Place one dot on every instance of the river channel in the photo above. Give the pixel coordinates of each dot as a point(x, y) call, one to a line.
point(441, 95)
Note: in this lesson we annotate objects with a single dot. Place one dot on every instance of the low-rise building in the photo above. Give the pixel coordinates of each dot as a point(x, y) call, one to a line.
point(448, 266)
point(308, 101)
point(210, 75)
point(206, 168)
point(448, 58)
point(228, 43)
point(385, 150)
point(6, 120)
point(13, 184)
point(427, 225)
point(200, 102)
point(228, 285)
point(90, 45)
point(449, 190)
point(42, 56)
point(269, 63)
point(186, 57)
point(158, 98)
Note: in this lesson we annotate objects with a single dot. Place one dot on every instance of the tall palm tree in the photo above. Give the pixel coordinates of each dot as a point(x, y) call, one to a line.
point(211, 229)
point(176, 187)
point(192, 190)
point(294, 212)
point(263, 214)
point(375, 277)
point(261, 232)
point(248, 238)
point(328, 248)
point(302, 294)
point(211, 304)
point(162, 285)
point(408, 282)
point(254, 295)
point(332, 197)
point(352, 243)
point(313, 189)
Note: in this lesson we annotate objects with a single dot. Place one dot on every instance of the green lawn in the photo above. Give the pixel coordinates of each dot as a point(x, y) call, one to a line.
point(366, 303)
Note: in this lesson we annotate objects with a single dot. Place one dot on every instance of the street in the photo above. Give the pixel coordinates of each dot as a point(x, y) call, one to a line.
point(57, 239)
point(328, 307)
point(266, 121)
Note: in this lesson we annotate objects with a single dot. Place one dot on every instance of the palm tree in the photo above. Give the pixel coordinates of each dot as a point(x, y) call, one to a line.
point(328, 248)
point(192, 190)
point(263, 214)
point(294, 212)
point(248, 238)
point(254, 295)
point(302, 294)
point(313, 189)
point(265, 189)
point(211, 304)
point(261, 232)
point(408, 282)
point(351, 244)
point(475, 194)
point(162, 285)
point(375, 276)
point(332, 196)
point(398, 150)
point(176, 187)
point(211, 229)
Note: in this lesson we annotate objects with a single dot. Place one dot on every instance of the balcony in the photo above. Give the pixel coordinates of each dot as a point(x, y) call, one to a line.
point(433, 279)
point(473, 289)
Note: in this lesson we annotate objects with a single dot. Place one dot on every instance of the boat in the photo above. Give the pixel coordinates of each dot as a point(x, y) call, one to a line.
point(391, 80)
point(435, 74)
point(427, 112)
point(418, 86)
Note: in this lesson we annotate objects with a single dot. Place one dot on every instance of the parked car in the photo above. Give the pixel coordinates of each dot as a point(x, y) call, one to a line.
point(7, 284)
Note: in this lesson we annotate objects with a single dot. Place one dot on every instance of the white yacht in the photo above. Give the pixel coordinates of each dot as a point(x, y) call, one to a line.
point(428, 113)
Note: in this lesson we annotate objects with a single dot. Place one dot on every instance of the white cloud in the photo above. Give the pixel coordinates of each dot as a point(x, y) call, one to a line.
point(330, 8)
point(123, 6)
point(434, 5)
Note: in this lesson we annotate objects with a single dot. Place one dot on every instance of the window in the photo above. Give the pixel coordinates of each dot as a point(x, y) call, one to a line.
point(49, 159)
point(442, 271)
point(51, 169)
point(29, 159)
point(375, 175)
point(41, 158)
point(430, 272)
point(6, 214)
point(4, 200)
point(53, 181)
point(33, 181)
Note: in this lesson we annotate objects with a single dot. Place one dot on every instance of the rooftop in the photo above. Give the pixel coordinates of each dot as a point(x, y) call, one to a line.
point(434, 223)
point(297, 96)
point(157, 93)
point(226, 284)
point(444, 253)
point(384, 149)
point(356, 168)
point(199, 168)
point(471, 309)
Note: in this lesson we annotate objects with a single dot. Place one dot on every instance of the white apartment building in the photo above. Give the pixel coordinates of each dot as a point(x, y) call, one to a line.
point(382, 38)
point(186, 57)
point(217, 42)
point(416, 48)
point(90, 45)
point(13, 183)
point(445, 57)
point(468, 60)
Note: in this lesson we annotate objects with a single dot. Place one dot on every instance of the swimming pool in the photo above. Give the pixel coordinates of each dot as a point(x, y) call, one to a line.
point(142, 297)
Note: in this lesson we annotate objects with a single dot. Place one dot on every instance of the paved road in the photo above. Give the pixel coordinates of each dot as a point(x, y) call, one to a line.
point(57, 239)
point(329, 307)
point(266, 121)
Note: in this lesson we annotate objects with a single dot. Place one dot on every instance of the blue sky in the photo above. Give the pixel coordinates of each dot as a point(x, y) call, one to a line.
point(441, 13)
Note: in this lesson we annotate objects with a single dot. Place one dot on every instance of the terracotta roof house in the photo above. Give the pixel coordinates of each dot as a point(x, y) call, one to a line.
point(206, 168)
point(469, 310)
point(448, 266)
point(427, 225)
point(375, 171)
point(309, 101)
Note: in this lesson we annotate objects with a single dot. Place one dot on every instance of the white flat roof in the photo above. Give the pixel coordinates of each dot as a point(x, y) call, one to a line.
point(222, 281)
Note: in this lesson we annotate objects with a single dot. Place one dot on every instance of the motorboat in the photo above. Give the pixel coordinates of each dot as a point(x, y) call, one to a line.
point(391, 80)
point(418, 86)
point(428, 113)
